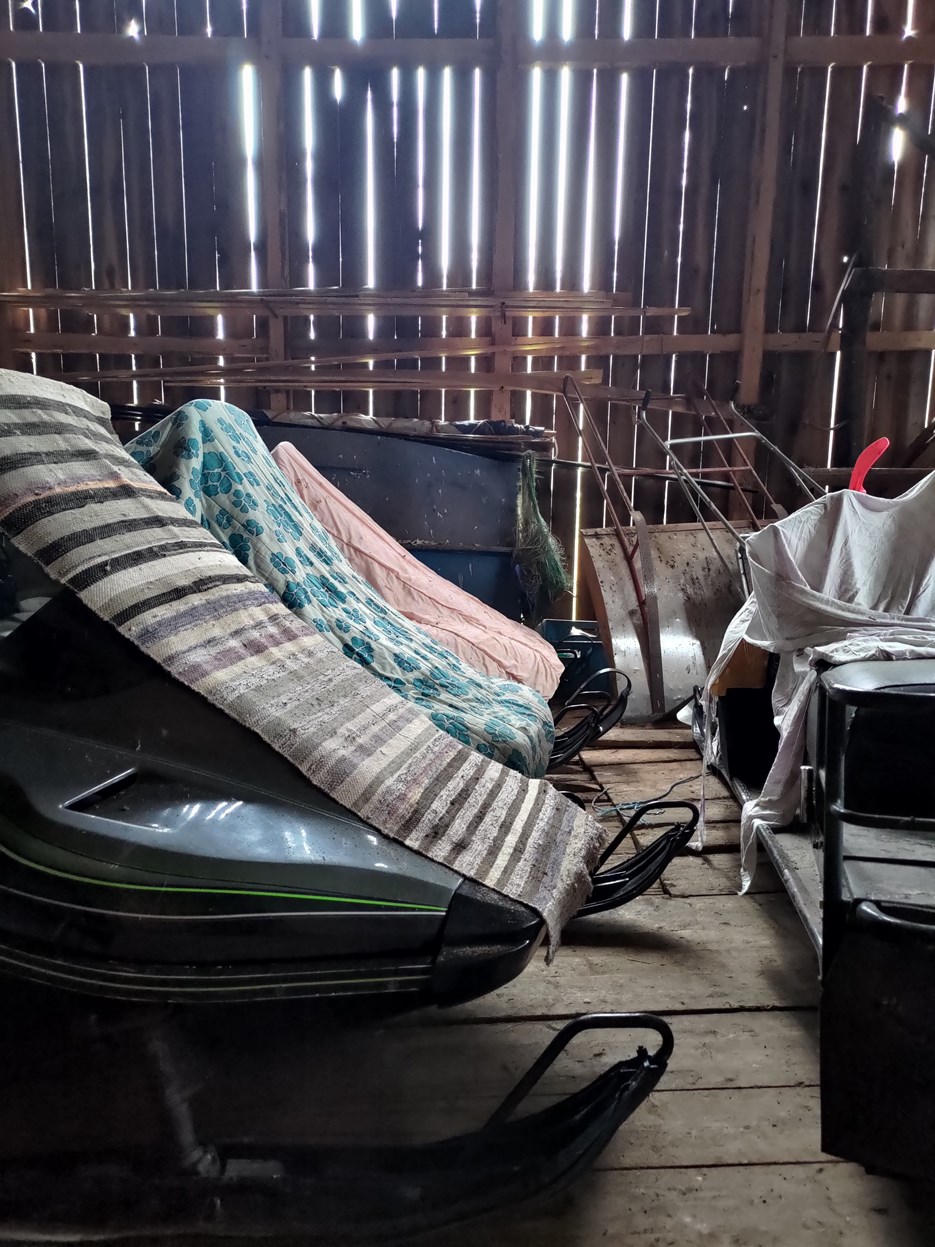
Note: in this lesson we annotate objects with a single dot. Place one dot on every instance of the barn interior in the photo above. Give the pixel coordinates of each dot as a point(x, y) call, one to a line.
point(467, 621)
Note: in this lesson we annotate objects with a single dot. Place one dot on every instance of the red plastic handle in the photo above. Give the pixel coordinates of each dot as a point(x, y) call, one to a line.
point(865, 461)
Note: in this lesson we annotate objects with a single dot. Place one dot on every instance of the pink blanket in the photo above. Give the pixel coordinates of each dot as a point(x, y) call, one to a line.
point(487, 640)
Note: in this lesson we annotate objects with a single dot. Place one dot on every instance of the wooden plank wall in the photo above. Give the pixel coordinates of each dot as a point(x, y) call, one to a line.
point(683, 153)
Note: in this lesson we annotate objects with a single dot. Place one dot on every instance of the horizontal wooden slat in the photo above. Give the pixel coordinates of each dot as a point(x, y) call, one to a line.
point(810, 1205)
point(714, 874)
point(612, 755)
point(722, 828)
point(113, 344)
point(625, 736)
point(455, 1062)
point(643, 781)
point(898, 280)
point(348, 53)
point(860, 50)
point(419, 1057)
point(668, 953)
point(752, 1126)
point(59, 47)
point(887, 479)
point(434, 348)
point(354, 379)
point(422, 1081)
point(642, 53)
point(334, 301)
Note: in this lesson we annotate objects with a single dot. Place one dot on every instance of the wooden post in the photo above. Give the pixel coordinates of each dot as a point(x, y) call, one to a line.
point(505, 200)
point(850, 418)
point(13, 252)
point(272, 178)
point(759, 242)
point(852, 404)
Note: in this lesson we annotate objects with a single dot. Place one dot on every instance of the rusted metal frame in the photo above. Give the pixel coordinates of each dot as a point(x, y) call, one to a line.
point(666, 474)
point(597, 469)
point(694, 489)
point(644, 577)
point(806, 483)
point(679, 468)
point(808, 486)
point(693, 493)
point(738, 451)
point(778, 510)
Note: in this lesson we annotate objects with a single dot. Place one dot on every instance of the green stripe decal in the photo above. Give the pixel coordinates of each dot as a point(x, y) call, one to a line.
point(290, 896)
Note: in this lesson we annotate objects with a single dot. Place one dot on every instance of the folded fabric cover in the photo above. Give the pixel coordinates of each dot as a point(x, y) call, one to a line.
point(482, 637)
point(849, 578)
point(76, 502)
point(210, 456)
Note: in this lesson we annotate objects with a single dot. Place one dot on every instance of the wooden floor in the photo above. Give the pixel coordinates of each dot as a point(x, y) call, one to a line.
point(726, 1151)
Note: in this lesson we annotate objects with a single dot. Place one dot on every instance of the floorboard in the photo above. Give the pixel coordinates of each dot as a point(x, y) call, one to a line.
point(715, 874)
point(727, 1152)
point(797, 1205)
point(668, 953)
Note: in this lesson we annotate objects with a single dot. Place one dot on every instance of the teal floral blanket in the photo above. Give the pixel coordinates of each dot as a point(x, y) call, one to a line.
point(209, 455)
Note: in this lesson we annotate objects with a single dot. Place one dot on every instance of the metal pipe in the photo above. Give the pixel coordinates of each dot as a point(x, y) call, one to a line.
point(708, 437)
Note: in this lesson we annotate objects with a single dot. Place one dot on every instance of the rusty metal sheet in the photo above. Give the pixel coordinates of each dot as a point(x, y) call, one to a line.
point(696, 596)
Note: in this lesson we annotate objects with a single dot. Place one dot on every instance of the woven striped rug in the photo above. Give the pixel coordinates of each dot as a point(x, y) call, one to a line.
point(74, 500)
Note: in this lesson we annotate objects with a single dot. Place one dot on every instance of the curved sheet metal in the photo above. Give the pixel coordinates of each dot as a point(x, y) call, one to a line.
point(696, 601)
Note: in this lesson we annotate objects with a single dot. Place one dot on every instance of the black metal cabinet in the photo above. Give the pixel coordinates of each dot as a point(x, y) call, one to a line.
point(454, 510)
point(873, 754)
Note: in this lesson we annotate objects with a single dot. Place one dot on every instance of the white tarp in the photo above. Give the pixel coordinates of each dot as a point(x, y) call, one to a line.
point(848, 578)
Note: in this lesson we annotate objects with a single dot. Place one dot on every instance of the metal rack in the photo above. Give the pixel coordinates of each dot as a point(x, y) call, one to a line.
point(664, 594)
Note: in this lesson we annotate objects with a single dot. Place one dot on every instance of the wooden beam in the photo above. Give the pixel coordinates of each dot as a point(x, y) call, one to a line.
point(106, 49)
point(293, 377)
point(272, 175)
point(877, 340)
point(348, 53)
point(348, 351)
point(506, 107)
point(878, 478)
point(13, 252)
point(760, 240)
point(60, 47)
point(121, 344)
point(859, 50)
point(640, 53)
point(338, 302)
point(540, 345)
point(896, 280)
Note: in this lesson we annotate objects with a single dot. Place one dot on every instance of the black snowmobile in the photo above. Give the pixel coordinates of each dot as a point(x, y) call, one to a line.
point(153, 850)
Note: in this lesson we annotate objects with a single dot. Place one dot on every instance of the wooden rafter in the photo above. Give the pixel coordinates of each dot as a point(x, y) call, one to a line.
point(55, 47)
point(295, 375)
point(340, 302)
point(348, 351)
